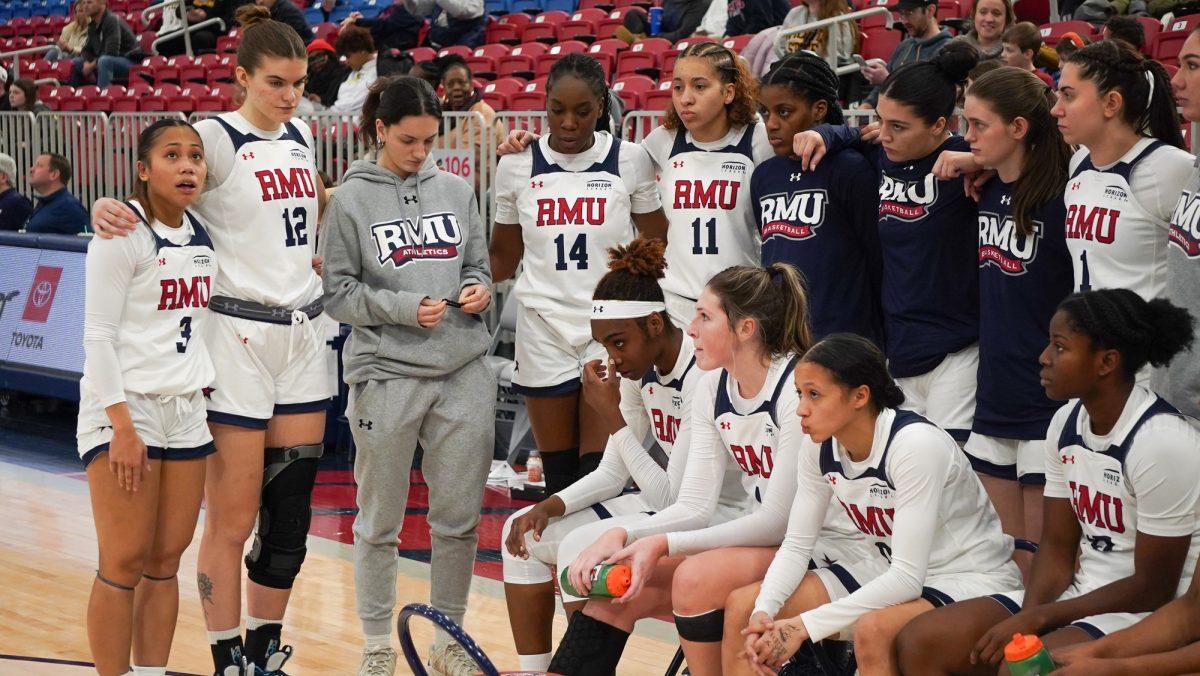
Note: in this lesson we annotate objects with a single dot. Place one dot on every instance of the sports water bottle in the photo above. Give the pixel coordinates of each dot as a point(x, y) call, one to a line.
point(655, 20)
point(1026, 656)
point(533, 467)
point(609, 580)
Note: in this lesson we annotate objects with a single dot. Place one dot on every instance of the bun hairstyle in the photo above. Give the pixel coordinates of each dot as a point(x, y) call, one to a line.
point(930, 88)
point(1145, 87)
point(808, 76)
point(391, 99)
point(730, 69)
point(588, 70)
point(855, 361)
point(1143, 332)
point(263, 37)
point(774, 298)
point(1013, 93)
point(633, 273)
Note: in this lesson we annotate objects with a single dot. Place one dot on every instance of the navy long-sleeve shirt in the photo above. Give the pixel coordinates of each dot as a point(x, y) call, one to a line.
point(60, 213)
point(14, 210)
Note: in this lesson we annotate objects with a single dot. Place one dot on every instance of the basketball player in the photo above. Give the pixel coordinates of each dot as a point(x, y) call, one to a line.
point(405, 257)
point(704, 154)
point(1024, 272)
point(646, 387)
point(1126, 177)
point(578, 192)
point(266, 406)
point(823, 221)
point(749, 328)
point(930, 286)
point(1121, 494)
point(933, 536)
point(141, 427)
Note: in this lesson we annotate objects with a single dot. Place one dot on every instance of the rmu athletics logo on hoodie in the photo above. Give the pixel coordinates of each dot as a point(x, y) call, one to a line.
point(402, 241)
point(1185, 224)
point(907, 200)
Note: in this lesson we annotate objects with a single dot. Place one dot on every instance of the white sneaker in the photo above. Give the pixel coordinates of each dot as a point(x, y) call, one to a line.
point(378, 662)
point(452, 660)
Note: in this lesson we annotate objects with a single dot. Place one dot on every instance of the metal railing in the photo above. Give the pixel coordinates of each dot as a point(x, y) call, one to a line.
point(782, 36)
point(16, 54)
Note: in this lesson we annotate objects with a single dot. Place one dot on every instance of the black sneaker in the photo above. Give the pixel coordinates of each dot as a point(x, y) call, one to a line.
point(274, 662)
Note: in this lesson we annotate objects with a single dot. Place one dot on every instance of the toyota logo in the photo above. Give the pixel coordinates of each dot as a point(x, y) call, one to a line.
point(42, 293)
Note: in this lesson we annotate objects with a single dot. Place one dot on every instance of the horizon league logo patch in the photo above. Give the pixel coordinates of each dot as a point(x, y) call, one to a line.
point(1001, 244)
point(794, 215)
point(435, 237)
point(907, 200)
point(1185, 225)
point(599, 184)
point(733, 167)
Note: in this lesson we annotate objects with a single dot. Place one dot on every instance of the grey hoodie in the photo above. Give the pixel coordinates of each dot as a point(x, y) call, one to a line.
point(913, 50)
point(389, 242)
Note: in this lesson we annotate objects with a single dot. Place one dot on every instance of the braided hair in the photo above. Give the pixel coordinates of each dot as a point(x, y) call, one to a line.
point(588, 70)
point(633, 273)
point(730, 69)
point(1145, 87)
point(855, 361)
point(809, 77)
point(1141, 331)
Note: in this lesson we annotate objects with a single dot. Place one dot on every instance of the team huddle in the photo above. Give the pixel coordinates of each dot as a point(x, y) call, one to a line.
point(874, 359)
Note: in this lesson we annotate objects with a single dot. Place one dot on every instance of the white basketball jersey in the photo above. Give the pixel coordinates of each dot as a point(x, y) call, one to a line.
point(752, 438)
point(569, 219)
point(165, 307)
point(261, 207)
point(1114, 241)
point(1101, 489)
point(968, 536)
point(706, 197)
point(663, 398)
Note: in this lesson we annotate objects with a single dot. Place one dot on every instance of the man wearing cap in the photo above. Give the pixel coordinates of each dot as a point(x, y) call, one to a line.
point(924, 40)
point(325, 73)
point(14, 207)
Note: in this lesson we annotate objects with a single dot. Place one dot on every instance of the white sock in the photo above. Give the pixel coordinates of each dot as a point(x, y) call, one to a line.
point(258, 622)
point(223, 635)
point(149, 671)
point(378, 642)
point(534, 662)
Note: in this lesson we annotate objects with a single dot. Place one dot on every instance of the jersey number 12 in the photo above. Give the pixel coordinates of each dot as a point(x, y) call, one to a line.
point(295, 224)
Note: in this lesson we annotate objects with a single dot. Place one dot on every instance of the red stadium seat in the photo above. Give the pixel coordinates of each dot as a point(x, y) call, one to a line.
point(658, 99)
point(500, 32)
point(212, 102)
point(643, 54)
point(461, 50)
point(535, 100)
point(419, 54)
point(125, 104)
point(496, 99)
point(150, 103)
point(521, 59)
point(505, 85)
point(139, 88)
point(545, 61)
point(537, 84)
point(952, 9)
point(167, 90)
point(73, 103)
point(1170, 40)
point(326, 31)
point(632, 89)
point(602, 5)
point(688, 42)
point(1053, 32)
point(607, 27)
point(1034, 11)
point(879, 43)
point(582, 23)
point(1151, 27)
point(606, 52)
point(544, 27)
point(737, 43)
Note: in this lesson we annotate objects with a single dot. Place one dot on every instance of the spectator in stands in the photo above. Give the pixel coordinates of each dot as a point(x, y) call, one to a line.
point(14, 207)
point(1022, 42)
point(1125, 28)
point(986, 25)
point(394, 28)
point(57, 210)
point(1068, 44)
point(22, 95)
point(454, 22)
point(461, 95)
point(105, 55)
point(747, 17)
point(428, 71)
point(680, 19)
point(73, 37)
point(203, 39)
point(715, 19)
point(286, 11)
point(925, 39)
point(834, 43)
point(357, 47)
point(325, 73)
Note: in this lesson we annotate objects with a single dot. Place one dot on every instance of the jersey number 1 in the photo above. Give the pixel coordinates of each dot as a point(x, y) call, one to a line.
point(711, 227)
point(295, 224)
point(577, 253)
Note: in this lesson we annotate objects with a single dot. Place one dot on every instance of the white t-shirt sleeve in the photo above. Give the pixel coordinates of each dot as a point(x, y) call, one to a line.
point(917, 463)
point(604, 482)
point(1161, 469)
point(803, 528)
point(638, 172)
point(1158, 180)
point(109, 268)
point(650, 477)
point(766, 526)
point(700, 487)
point(1056, 479)
point(511, 171)
point(218, 152)
point(658, 145)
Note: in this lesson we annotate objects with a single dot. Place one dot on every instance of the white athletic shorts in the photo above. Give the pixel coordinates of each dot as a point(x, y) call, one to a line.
point(1095, 625)
point(946, 395)
point(681, 310)
point(580, 528)
point(173, 427)
point(264, 369)
point(1022, 460)
point(550, 354)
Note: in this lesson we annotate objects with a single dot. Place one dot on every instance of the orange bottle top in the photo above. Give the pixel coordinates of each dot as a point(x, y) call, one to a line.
point(1022, 647)
point(619, 579)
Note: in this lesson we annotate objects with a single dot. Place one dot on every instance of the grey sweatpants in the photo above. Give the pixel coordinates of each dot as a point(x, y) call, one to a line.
point(453, 417)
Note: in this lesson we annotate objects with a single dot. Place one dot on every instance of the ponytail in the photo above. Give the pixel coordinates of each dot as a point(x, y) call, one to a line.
point(855, 361)
point(774, 298)
point(391, 99)
point(1145, 87)
point(1142, 332)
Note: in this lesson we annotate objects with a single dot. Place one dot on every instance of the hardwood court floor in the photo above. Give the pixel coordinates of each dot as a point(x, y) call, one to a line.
point(47, 559)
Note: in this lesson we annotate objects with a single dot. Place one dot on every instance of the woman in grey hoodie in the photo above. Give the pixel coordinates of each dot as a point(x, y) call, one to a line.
point(406, 264)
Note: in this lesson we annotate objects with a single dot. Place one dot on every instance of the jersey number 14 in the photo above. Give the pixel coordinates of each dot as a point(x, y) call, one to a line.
point(577, 252)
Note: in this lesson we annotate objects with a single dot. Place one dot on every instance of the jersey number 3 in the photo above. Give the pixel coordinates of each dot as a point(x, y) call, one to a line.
point(185, 334)
point(295, 225)
point(578, 252)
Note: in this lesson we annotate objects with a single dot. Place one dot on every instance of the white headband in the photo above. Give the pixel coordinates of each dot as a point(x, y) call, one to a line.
point(625, 309)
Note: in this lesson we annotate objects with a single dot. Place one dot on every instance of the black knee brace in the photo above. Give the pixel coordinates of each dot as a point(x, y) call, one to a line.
point(703, 628)
point(284, 515)
point(589, 648)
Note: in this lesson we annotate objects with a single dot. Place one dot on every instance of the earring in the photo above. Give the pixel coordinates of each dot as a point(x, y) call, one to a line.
point(379, 141)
